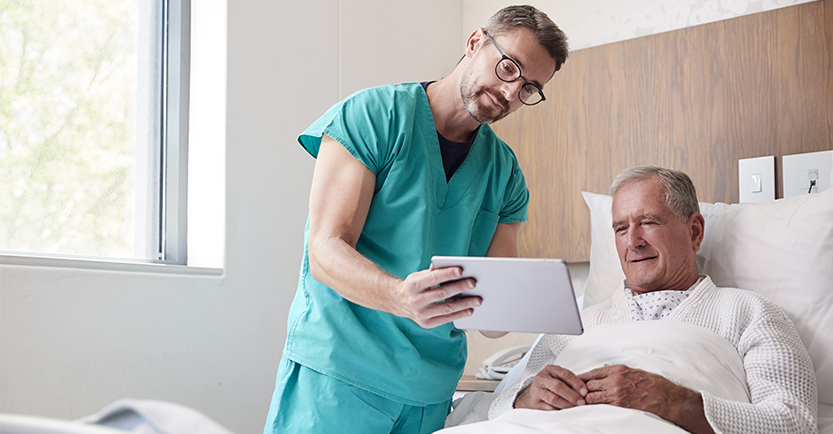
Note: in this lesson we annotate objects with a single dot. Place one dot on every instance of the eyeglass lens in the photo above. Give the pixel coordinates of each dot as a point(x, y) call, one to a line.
point(508, 71)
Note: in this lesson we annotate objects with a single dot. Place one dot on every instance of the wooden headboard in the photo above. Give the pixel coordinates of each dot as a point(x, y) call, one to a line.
point(696, 100)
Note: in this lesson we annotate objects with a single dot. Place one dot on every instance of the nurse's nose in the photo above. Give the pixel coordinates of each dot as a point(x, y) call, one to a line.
point(512, 89)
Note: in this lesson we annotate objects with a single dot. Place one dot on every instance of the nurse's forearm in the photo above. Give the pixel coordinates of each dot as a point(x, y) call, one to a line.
point(421, 296)
point(338, 265)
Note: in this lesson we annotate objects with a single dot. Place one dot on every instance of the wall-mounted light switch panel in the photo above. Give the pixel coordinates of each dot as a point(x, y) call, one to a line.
point(807, 173)
point(756, 179)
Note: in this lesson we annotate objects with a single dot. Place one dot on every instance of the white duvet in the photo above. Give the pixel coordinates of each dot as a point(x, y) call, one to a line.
point(686, 354)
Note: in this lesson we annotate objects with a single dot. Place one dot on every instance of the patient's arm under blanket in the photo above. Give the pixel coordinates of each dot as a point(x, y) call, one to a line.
point(688, 355)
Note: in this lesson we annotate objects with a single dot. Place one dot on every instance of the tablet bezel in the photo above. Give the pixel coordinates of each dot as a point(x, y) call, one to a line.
point(530, 295)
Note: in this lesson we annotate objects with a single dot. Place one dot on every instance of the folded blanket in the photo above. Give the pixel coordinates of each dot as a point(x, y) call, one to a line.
point(683, 353)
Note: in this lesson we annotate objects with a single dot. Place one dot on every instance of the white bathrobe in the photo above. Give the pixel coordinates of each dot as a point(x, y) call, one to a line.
point(779, 373)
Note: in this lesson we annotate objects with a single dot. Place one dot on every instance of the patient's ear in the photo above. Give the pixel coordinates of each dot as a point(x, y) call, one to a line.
point(697, 225)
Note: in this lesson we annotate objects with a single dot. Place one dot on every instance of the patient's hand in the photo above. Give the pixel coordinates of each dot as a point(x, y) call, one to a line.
point(627, 387)
point(553, 388)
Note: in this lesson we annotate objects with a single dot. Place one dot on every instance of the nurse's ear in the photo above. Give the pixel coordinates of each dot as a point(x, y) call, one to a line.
point(475, 41)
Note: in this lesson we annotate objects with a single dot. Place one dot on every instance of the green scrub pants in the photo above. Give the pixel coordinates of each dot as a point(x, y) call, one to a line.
point(306, 401)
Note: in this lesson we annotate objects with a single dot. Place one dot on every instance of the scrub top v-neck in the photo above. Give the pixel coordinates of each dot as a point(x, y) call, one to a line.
point(415, 214)
point(453, 153)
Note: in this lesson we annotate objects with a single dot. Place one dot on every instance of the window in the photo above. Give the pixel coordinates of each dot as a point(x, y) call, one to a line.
point(94, 128)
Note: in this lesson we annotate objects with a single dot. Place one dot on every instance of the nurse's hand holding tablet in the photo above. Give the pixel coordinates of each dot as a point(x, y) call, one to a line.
point(430, 297)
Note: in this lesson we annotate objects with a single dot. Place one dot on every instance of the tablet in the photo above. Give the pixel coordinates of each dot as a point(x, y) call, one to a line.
point(519, 294)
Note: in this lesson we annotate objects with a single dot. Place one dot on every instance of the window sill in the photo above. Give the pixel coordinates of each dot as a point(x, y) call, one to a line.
point(107, 265)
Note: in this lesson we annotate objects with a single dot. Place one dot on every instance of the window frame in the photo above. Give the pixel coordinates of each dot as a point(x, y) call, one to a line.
point(173, 236)
point(170, 235)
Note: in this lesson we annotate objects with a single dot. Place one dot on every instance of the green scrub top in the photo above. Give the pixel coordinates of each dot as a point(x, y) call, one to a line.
point(414, 215)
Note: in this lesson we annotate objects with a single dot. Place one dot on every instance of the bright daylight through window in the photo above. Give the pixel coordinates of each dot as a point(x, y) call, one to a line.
point(93, 130)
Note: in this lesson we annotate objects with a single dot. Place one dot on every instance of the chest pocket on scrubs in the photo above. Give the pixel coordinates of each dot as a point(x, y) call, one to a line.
point(482, 232)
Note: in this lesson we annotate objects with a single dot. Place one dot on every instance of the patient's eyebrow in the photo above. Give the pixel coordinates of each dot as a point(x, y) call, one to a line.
point(640, 219)
point(650, 217)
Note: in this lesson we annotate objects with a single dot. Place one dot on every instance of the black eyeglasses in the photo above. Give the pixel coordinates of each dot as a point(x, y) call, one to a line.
point(508, 70)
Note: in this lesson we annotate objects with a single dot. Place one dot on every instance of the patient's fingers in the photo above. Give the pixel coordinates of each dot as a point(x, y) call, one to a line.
point(602, 372)
point(553, 388)
point(572, 380)
point(623, 386)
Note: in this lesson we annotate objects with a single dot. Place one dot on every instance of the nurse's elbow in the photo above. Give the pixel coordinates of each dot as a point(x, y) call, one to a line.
point(315, 269)
point(315, 272)
point(327, 254)
point(322, 251)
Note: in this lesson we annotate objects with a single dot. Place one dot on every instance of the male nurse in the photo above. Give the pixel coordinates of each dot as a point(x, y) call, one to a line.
point(405, 172)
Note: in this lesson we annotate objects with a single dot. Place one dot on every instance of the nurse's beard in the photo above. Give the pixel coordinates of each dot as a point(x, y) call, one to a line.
point(470, 103)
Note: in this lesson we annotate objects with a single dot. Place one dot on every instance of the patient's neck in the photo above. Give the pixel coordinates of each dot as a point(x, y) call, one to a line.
point(684, 283)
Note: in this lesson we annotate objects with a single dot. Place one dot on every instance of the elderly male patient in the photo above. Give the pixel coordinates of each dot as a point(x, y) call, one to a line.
point(658, 230)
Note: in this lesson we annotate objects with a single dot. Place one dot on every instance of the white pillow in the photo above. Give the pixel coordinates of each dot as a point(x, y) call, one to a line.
point(605, 273)
point(782, 249)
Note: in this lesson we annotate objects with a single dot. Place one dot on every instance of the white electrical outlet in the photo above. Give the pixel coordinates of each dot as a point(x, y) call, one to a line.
point(807, 173)
point(813, 177)
point(756, 179)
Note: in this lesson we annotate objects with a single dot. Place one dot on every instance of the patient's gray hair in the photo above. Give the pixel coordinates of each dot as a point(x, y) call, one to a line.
point(680, 195)
point(548, 34)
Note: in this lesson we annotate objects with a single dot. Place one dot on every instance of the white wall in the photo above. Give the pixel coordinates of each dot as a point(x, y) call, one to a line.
point(74, 340)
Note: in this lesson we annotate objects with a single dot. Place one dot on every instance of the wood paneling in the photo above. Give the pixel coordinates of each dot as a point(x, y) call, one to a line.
point(696, 99)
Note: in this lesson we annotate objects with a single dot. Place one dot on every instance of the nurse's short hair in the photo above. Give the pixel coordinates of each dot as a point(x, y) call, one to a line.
point(680, 195)
point(548, 34)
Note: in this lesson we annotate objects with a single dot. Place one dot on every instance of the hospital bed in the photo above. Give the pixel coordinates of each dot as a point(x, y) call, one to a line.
point(138, 416)
point(781, 249)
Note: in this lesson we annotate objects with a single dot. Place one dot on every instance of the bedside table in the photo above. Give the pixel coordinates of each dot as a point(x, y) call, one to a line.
point(471, 384)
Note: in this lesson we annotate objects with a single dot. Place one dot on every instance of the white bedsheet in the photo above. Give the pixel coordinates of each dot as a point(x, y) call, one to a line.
point(589, 419)
point(686, 354)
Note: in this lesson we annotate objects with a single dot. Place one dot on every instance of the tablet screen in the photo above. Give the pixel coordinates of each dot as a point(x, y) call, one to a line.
point(519, 294)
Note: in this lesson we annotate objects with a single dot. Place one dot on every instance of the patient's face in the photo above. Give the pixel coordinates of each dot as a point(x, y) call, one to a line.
point(656, 249)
